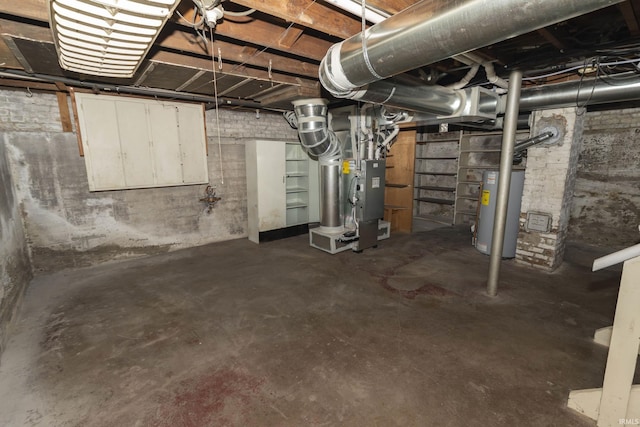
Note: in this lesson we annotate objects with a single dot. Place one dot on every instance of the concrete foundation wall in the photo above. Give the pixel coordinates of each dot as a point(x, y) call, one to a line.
point(15, 270)
point(68, 226)
point(606, 203)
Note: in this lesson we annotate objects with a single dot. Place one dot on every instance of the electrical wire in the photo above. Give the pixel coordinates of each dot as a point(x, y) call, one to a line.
point(215, 94)
point(239, 14)
point(192, 24)
point(583, 108)
point(582, 66)
point(237, 66)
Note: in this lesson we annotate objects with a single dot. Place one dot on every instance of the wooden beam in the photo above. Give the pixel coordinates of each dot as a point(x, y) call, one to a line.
point(551, 38)
point(65, 116)
point(205, 65)
point(391, 6)
point(259, 33)
point(7, 58)
point(262, 33)
point(189, 43)
point(31, 9)
point(235, 53)
point(290, 36)
point(308, 13)
point(74, 106)
point(289, 93)
point(25, 31)
point(630, 17)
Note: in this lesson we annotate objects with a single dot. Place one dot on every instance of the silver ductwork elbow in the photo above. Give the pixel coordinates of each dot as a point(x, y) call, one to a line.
point(316, 138)
point(321, 143)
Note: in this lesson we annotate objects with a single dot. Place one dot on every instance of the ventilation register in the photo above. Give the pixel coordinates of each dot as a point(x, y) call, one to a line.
point(106, 37)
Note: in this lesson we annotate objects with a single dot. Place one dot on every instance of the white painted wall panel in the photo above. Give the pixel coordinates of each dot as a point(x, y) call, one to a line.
point(140, 143)
point(100, 138)
point(166, 154)
point(191, 132)
point(137, 163)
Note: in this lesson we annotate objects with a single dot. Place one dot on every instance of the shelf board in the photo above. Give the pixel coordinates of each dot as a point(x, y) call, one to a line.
point(296, 205)
point(471, 213)
point(396, 207)
point(478, 167)
point(438, 141)
point(472, 198)
point(434, 188)
point(435, 200)
point(392, 185)
point(438, 173)
point(436, 158)
point(433, 218)
point(482, 150)
point(469, 182)
point(297, 189)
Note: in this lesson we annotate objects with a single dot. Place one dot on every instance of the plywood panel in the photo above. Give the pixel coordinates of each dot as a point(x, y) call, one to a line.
point(398, 197)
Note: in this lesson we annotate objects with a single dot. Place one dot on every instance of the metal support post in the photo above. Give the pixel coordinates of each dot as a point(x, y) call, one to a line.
point(506, 160)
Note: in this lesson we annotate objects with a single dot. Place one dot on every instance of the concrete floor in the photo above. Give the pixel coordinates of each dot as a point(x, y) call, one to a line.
point(280, 334)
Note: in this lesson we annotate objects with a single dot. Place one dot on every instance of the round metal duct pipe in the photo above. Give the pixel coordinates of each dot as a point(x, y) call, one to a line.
point(321, 143)
point(433, 30)
point(330, 215)
point(411, 94)
point(624, 87)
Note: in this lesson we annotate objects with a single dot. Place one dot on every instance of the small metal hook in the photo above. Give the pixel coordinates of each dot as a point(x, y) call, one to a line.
point(29, 93)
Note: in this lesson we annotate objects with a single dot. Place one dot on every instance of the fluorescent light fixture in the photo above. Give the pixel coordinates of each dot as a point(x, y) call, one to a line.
point(108, 38)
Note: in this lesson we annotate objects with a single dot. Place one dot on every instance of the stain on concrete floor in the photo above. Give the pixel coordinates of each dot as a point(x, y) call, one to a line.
point(281, 334)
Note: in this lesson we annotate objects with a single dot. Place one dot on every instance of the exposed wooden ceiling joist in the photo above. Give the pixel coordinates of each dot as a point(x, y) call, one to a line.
point(205, 64)
point(631, 12)
point(309, 13)
point(263, 33)
point(283, 42)
point(188, 43)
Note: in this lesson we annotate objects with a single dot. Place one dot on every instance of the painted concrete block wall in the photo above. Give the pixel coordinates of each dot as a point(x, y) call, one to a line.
point(606, 204)
point(15, 269)
point(548, 188)
point(68, 226)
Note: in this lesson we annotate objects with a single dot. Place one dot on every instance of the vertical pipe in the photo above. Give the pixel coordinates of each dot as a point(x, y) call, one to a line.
point(506, 159)
point(330, 218)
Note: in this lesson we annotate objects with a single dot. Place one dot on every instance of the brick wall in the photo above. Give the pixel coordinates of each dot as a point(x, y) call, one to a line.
point(548, 189)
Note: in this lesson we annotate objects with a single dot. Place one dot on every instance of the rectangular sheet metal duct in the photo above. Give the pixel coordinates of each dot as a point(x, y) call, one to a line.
point(106, 38)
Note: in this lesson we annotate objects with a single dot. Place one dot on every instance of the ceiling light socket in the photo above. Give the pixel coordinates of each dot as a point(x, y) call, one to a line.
point(213, 15)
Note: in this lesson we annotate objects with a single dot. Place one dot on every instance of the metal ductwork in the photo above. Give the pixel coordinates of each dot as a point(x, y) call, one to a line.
point(622, 87)
point(430, 31)
point(320, 143)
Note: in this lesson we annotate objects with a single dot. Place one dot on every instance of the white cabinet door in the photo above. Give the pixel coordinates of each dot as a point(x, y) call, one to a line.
point(265, 186)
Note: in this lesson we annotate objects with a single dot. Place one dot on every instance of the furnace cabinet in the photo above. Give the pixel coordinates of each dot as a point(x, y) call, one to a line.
point(282, 189)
